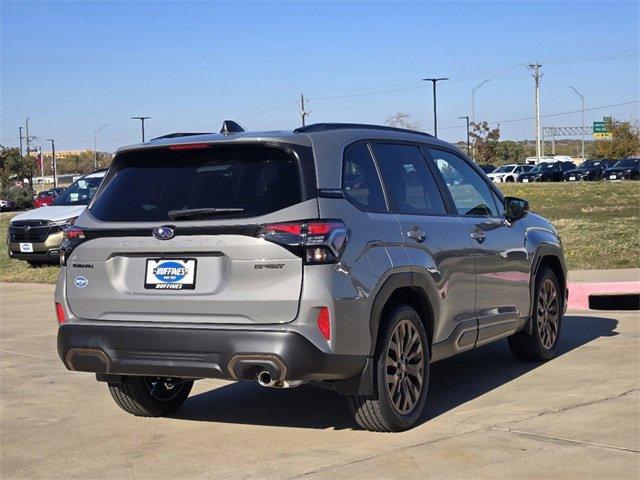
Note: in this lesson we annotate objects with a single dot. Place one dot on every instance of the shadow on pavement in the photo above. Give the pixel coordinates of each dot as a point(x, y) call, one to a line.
point(453, 382)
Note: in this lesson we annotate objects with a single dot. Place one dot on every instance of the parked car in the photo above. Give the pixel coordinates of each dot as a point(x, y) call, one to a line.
point(335, 255)
point(509, 173)
point(547, 172)
point(7, 205)
point(36, 235)
point(625, 169)
point(46, 198)
point(487, 168)
point(588, 170)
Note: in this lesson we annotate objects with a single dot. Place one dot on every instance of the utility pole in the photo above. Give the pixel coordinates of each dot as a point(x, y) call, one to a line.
point(303, 112)
point(142, 119)
point(41, 161)
point(473, 100)
point(582, 113)
point(468, 143)
point(28, 138)
point(54, 166)
point(435, 111)
point(537, 76)
point(20, 132)
point(95, 145)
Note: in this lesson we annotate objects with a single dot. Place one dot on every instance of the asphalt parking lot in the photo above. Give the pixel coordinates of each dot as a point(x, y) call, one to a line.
point(489, 416)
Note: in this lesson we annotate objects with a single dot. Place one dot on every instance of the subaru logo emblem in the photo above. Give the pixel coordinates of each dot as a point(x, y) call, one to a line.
point(163, 233)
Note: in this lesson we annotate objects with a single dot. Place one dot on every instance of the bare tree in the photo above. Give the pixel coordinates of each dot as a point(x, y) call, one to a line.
point(402, 120)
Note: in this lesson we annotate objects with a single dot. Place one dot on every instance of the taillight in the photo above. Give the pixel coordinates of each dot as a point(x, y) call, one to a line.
point(324, 323)
point(318, 242)
point(72, 237)
point(60, 314)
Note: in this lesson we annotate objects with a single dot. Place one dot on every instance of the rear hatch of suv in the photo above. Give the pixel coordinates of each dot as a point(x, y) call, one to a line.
point(174, 236)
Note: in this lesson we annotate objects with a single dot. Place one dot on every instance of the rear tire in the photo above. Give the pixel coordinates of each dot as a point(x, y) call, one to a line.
point(546, 319)
point(150, 396)
point(401, 374)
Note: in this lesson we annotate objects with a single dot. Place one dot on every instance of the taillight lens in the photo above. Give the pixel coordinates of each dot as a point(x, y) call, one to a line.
point(324, 323)
point(72, 237)
point(318, 242)
point(60, 314)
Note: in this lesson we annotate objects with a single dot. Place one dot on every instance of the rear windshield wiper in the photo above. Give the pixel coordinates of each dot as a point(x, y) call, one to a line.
point(201, 212)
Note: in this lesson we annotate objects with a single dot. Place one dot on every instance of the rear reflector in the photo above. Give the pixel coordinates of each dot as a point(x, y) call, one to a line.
point(60, 313)
point(324, 323)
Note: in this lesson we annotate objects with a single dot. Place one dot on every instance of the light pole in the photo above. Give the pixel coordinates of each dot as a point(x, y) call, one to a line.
point(582, 112)
point(142, 119)
point(95, 145)
point(468, 144)
point(435, 111)
point(54, 167)
point(473, 100)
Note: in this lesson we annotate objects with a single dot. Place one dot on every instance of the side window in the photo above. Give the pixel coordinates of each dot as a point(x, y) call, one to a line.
point(360, 181)
point(471, 195)
point(408, 181)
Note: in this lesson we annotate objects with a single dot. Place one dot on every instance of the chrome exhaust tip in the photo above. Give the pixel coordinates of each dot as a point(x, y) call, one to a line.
point(264, 379)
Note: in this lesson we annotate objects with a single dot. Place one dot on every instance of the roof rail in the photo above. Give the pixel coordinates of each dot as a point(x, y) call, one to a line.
point(180, 134)
point(323, 127)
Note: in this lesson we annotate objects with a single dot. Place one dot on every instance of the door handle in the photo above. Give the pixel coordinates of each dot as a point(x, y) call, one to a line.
point(417, 234)
point(478, 236)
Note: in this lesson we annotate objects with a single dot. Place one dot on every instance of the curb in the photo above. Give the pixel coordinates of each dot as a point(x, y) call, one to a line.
point(579, 292)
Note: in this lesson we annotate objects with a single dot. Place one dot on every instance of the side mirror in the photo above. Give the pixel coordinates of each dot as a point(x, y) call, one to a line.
point(515, 208)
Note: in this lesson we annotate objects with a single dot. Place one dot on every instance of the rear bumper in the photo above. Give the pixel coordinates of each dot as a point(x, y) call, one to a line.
point(200, 353)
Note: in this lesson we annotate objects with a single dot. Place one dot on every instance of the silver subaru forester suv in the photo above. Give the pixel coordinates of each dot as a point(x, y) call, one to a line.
point(344, 256)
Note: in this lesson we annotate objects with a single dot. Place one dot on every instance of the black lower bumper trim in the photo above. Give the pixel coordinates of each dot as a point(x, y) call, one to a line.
point(200, 353)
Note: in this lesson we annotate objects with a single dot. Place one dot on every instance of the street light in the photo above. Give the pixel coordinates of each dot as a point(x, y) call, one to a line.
point(54, 167)
point(473, 100)
point(468, 144)
point(582, 111)
point(95, 145)
point(435, 112)
point(142, 119)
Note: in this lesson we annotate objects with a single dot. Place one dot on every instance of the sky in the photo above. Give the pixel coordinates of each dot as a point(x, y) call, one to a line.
point(72, 67)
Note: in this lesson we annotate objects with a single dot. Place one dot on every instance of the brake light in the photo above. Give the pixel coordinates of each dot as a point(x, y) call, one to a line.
point(317, 242)
point(189, 146)
point(324, 323)
point(60, 314)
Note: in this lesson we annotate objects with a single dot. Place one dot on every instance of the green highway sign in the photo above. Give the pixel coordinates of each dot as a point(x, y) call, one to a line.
point(600, 127)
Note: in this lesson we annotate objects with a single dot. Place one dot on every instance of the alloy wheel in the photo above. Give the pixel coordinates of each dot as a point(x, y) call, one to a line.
point(405, 367)
point(548, 314)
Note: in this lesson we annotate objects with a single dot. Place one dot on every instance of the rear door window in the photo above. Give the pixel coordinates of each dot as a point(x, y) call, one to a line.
point(214, 182)
point(409, 183)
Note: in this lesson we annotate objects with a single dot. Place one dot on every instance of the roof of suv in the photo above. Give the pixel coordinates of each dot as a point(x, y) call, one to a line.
point(332, 132)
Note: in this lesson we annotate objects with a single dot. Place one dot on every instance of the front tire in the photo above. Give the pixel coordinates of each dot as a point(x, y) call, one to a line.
point(401, 377)
point(150, 396)
point(541, 344)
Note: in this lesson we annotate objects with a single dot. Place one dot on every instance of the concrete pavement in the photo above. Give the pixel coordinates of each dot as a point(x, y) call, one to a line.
point(489, 415)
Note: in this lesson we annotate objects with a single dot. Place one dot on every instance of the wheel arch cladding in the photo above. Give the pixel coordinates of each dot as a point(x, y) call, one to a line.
point(399, 288)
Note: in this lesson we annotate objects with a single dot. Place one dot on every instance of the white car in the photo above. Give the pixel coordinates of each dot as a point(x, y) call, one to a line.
point(36, 235)
point(509, 173)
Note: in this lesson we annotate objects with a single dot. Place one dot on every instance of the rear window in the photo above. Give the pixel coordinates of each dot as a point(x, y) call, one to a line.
point(207, 183)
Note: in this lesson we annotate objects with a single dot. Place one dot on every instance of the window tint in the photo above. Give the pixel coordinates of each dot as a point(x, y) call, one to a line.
point(161, 185)
point(471, 195)
point(408, 181)
point(360, 181)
